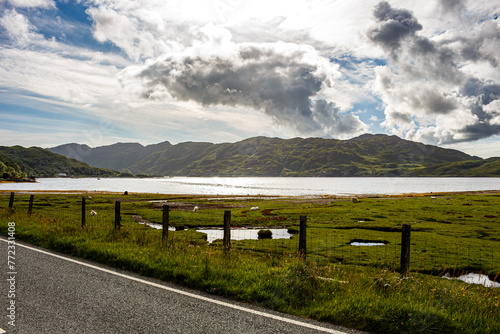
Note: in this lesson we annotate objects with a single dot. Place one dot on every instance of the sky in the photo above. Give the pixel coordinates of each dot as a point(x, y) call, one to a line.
point(98, 72)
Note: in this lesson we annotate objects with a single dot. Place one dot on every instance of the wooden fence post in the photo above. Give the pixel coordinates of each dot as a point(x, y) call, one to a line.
point(226, 242)
point(302, 237)
point(117, 216)
point(165, 222)
point(405, 249)
point(30, 206)
point(11, 200)
point(83, 212)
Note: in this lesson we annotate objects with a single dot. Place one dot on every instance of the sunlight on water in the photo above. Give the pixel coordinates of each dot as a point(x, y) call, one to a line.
point(272, 186)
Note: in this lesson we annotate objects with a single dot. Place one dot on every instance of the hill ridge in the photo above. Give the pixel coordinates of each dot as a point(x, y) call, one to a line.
point(17, 162)
point(365, 155)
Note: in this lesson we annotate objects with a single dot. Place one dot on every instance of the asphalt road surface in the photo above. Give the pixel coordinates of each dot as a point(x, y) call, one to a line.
point(55, 294)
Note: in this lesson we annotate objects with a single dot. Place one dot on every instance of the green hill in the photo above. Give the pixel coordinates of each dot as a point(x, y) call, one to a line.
point(20, 162)
point(485, 167)
point(366, 155)
point(119, 156)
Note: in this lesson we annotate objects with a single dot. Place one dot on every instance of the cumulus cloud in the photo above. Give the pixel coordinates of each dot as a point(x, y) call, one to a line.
point(137, 38)
point(430, 88)
point(333, 121)
point(279, 79)
point(145, 29)
point(394, 26)
point(493, 109)
point(18, 27)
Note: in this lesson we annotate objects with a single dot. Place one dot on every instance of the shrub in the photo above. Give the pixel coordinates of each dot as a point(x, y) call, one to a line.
point(265, 234)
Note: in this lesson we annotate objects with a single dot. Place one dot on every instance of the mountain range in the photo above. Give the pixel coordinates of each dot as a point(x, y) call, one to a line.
point(366, 155)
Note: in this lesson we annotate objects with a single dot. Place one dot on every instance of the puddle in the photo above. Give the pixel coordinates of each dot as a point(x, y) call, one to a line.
point(156, 226)
point(218, 233)
point(473, 278)
point(357, 243)
point(367, 243)
point(244, 233)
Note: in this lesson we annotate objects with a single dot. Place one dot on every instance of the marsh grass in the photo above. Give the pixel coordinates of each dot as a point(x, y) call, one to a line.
point(353, 286)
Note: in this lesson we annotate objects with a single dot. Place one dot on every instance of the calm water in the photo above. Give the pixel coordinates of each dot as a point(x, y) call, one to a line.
point(473, 278)
point(244, 234)
point(279, 186)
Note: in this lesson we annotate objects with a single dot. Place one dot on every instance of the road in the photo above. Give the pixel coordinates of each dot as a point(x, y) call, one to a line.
point(55, 293)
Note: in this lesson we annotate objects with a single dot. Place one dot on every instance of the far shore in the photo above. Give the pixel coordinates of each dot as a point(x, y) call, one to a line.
point(18, 180)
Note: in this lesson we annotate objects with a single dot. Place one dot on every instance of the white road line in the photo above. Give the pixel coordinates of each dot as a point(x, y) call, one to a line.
point(192, 295)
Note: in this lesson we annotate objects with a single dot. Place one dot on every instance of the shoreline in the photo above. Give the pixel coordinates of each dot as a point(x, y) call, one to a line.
point(19, 181)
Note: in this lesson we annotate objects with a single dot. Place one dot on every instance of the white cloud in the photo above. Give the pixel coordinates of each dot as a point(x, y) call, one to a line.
point(493, 109)
point(18, 27)
point(33, 3)
point(75, 81)
point(136, 38)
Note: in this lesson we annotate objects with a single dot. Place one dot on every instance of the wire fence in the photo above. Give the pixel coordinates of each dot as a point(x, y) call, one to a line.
point(429, 252)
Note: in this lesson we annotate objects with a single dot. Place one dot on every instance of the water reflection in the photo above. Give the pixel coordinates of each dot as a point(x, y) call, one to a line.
point(244, 234)
point(156, 226)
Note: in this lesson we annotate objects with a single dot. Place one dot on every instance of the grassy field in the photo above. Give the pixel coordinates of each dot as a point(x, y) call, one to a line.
point(358, 287)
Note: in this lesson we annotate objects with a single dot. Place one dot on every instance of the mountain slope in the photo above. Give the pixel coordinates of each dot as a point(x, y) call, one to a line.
point(484, 167)
point(366, 155)
point(119, 156)
point(35, 161)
